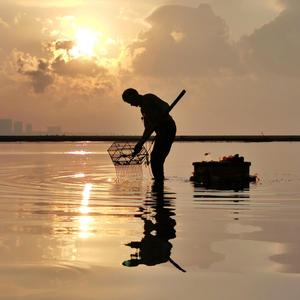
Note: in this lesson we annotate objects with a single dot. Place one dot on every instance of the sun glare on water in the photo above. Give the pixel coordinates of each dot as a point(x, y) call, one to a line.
point(85, 43)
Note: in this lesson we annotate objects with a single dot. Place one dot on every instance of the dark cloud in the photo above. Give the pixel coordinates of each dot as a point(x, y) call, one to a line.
point(184, 41)
point(40, 80)
point(85, 74)
point(275, 47)
point(36, 69)
point(65, 45)
point(77, 67)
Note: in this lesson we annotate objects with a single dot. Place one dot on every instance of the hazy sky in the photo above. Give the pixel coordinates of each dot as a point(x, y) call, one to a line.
point(67, 62)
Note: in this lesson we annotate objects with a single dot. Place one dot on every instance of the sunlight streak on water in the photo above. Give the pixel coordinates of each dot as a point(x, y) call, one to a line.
point(85, 220)
point(79, 175)
point(86, 196)
point(79, 152)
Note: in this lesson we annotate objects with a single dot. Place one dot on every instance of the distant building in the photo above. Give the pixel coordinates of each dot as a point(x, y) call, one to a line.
point(54, 130)
point(6, 126)
point(18, 127)
point(28, 129)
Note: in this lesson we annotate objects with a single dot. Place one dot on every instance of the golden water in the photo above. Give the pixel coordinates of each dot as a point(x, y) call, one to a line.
point(71, 229)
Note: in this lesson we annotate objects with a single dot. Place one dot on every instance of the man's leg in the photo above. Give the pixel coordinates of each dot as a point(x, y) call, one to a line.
point(161, 149)
point(157, 161)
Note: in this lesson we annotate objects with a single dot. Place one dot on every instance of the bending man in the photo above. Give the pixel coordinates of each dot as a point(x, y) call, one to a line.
point(155, 117)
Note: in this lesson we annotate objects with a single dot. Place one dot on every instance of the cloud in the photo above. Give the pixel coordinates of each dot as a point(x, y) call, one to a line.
point(41, 78)
point(38, 3)
point(77, 67)
point(85, 76)
point(58, 69)
point(64, 45)
point(23, 32)
point(3, 23)
point(36, 69)
point(184, 41)
point(275, 47)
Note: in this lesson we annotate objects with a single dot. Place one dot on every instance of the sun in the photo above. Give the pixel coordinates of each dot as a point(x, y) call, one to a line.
point(85, 43)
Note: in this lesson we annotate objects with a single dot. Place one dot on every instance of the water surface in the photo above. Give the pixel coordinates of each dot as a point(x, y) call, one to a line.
point(72, 229)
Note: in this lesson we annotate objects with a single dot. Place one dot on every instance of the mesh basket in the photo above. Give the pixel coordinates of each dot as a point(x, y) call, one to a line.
point(121, 154)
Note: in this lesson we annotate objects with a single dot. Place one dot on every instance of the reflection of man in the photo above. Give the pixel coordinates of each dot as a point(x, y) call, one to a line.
point(151, 251)
point(155, 248)
point(156, 117)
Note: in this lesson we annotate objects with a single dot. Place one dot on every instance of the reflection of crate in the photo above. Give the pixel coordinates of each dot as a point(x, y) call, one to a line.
point(222, 174)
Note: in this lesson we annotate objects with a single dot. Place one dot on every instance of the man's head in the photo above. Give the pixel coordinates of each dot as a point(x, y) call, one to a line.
point(131, 96)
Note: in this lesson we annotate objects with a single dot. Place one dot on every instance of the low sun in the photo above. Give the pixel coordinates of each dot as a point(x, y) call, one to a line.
point(85, 43)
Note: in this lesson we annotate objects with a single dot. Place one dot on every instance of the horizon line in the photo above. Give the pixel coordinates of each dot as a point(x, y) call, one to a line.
point(133, 138)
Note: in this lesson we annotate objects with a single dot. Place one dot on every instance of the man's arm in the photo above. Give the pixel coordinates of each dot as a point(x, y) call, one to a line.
point(147, 132)
point(164, 112)
point(149, 111)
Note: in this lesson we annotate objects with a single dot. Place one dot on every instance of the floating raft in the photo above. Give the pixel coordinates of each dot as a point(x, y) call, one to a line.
point(229, 173)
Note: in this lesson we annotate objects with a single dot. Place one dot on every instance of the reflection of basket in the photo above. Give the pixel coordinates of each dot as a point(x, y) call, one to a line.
point(121, 154)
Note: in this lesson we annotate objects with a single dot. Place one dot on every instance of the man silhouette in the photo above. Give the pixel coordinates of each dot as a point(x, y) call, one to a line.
point(156, 117)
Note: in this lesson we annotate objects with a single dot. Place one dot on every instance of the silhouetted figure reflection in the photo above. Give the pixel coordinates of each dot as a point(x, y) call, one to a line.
point(155, 248)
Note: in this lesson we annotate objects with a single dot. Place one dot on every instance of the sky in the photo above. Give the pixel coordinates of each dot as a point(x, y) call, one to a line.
point(66, 63)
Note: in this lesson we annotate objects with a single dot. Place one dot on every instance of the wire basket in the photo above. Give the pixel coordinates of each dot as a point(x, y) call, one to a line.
point(121, 154)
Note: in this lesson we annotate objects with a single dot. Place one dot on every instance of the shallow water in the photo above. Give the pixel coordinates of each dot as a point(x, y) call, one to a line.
point(71, 229)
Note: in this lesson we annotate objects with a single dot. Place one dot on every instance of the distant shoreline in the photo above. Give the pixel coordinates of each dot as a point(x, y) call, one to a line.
point(133, 138)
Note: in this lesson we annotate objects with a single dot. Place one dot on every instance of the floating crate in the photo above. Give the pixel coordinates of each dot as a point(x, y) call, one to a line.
point(227, 174)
